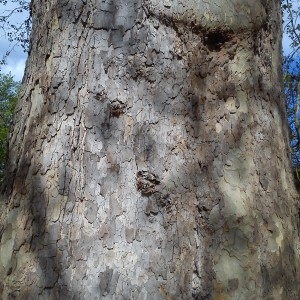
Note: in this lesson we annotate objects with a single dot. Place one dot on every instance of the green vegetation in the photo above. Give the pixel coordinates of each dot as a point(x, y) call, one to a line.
point(9, 90)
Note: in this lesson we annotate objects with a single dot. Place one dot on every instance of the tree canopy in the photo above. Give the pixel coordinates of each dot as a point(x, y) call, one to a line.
point(8, 97)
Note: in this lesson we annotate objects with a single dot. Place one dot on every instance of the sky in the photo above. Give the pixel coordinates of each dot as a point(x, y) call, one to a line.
point(17, 59)
point(15, 62)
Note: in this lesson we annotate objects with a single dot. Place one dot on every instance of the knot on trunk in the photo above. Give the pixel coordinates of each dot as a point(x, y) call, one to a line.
point(117, 108)
point(146, 182)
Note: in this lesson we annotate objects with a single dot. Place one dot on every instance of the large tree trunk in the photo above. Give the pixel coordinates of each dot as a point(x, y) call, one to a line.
point(149, 155)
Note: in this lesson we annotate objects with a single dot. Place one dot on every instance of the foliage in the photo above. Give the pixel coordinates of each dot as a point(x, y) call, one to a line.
point(17, 34)
point(9, 90)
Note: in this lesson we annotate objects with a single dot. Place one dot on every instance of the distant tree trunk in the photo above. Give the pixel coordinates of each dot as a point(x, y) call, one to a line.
point(149, 156)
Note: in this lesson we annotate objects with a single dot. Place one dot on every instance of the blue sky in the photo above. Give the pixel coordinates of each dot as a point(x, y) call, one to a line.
point(16, 60)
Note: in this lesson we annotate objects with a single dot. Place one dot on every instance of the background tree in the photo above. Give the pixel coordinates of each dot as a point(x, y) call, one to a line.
point(292, 27)
point(291, 88)
point(148, 155)
point(291, 77)
point(8, 97)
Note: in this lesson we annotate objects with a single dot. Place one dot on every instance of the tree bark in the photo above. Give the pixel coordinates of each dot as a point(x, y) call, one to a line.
point(149, 155)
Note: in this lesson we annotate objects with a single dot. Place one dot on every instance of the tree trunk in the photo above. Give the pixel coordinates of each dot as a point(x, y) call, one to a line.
point(149, 155)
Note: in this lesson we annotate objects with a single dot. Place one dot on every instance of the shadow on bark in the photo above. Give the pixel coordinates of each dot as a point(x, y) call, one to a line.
point(183, 187)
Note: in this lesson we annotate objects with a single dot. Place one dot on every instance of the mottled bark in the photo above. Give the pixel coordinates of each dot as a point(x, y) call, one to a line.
point(149, 155)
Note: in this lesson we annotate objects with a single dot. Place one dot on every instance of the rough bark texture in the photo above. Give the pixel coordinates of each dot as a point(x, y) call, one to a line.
point(149, 155)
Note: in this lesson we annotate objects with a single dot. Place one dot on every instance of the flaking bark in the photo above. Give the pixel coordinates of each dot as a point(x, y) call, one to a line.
point(148, 158)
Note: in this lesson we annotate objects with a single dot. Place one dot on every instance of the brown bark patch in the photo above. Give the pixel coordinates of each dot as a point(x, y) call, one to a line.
point(146, 182)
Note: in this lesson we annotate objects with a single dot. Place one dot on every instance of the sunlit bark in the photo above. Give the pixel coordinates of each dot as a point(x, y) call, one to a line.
point(149, 158)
